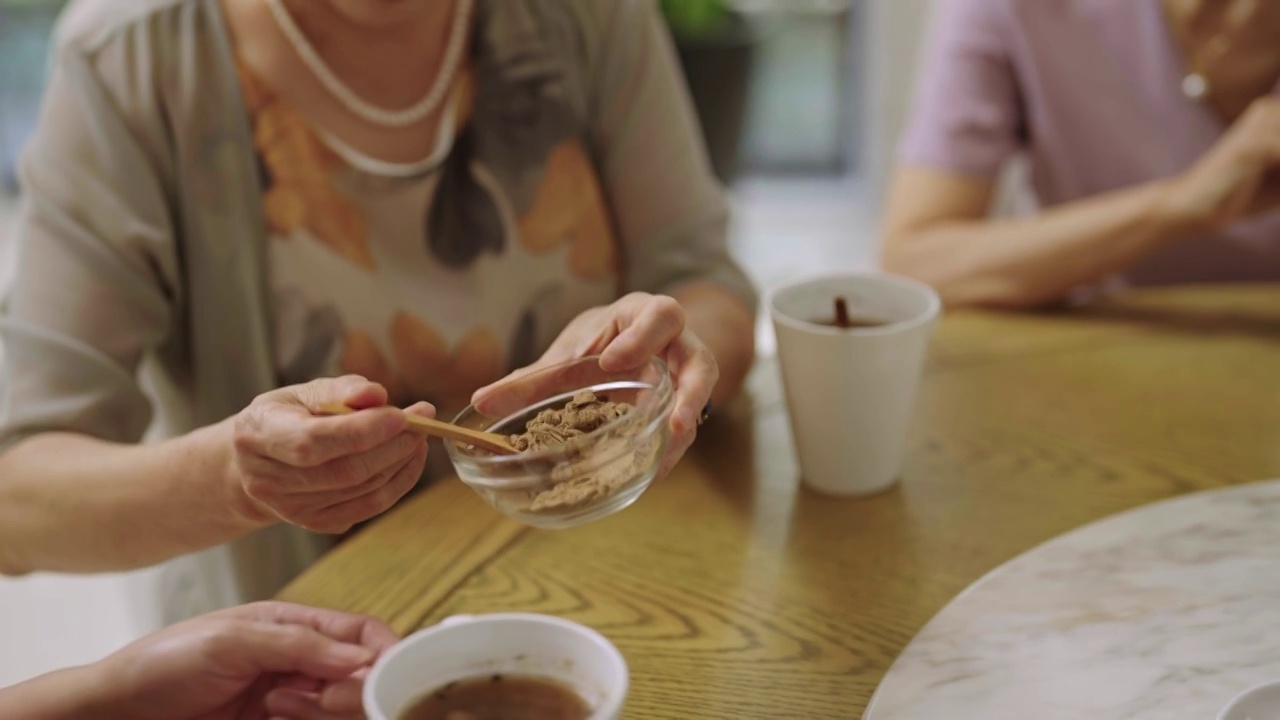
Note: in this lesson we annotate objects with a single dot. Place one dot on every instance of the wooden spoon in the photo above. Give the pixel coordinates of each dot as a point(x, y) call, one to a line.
point(492, 442)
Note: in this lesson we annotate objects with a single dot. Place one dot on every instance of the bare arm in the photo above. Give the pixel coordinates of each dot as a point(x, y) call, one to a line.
point(73, 503)
point(61, 695)
point(937, 232)
point(70, 502)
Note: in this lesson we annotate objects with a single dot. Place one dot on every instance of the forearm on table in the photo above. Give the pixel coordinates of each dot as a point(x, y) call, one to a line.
point(63, 695)
point(72, 503)
point(1030, 261)
point(727, 326)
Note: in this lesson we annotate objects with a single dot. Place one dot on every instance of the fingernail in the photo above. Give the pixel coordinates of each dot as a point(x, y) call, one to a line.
point(286, 702)
point(393, 424)
point(425, 409)
point(350, 654)
point(343, 697)
point(610, 362)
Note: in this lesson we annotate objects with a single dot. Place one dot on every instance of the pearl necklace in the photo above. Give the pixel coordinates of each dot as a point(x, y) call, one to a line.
point(353, 102)
point(1195, 84)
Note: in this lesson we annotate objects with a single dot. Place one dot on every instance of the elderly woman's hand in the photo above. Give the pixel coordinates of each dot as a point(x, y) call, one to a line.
point(1238, 177)
point(326, 473)
point(626, 334)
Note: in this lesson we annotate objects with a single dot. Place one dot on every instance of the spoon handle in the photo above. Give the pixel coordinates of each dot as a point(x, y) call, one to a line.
point(437, 428)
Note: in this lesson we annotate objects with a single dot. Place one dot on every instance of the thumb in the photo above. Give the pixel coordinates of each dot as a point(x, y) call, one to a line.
point(525, 387)
point(486, 399)
point(482, 398)
point(270, 648)
point(351, 390)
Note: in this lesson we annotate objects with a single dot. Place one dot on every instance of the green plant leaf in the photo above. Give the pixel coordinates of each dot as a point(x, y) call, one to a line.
point(695, 18)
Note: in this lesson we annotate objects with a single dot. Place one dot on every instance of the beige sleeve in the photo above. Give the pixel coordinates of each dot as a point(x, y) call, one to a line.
point(671, 213)
point(93, 282)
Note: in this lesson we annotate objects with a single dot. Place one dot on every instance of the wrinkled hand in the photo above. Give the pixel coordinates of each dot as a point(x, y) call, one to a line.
point(326, 473)
point(1239, 177)
point(626, 334)
point(264, 660)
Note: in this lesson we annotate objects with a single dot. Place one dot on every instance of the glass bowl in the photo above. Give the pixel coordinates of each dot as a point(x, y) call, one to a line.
point(586, 478)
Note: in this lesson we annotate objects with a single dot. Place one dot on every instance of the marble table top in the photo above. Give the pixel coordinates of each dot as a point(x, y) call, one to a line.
point(1167, 611)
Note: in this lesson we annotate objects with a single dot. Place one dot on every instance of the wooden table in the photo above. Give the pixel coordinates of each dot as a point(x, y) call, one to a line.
point(735, 594)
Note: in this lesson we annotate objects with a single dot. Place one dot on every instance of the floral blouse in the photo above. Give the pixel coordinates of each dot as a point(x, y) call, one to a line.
point(366, 280)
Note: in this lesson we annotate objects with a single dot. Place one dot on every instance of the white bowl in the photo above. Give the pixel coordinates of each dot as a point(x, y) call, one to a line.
point(468, 646)
point(1261, 702)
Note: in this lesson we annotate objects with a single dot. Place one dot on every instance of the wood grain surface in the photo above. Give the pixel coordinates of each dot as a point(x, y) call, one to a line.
point(734, 593)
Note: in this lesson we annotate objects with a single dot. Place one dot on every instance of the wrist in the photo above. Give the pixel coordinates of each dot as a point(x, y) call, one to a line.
point(1176, 213)
point(101, 695)
point(77, 692)
point(218, 444)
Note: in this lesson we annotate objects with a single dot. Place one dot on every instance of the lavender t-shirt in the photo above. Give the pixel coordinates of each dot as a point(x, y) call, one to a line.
point(1090, 91)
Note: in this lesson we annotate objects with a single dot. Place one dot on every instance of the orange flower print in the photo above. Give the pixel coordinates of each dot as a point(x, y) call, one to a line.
point(593, 255)
point(285, 210)
point(569, 206)
point(361, 356)
point(424, 368)
point(420, 354)
point(477, 361)
point(562, 196)
point(466, 98)
point(300, 192)
point(256, 94)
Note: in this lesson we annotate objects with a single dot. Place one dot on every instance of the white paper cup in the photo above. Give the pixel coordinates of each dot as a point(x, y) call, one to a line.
point(470, 646)
point(851, 392)
point(1257, 703)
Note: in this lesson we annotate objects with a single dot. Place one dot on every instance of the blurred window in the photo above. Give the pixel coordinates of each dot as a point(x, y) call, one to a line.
point(25, 29)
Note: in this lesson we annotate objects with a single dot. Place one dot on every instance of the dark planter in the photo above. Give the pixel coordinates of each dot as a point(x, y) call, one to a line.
point(718, 70)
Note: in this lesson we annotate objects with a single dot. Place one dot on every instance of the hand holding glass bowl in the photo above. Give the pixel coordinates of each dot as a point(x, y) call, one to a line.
point(640, 351)
point(589, 476)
